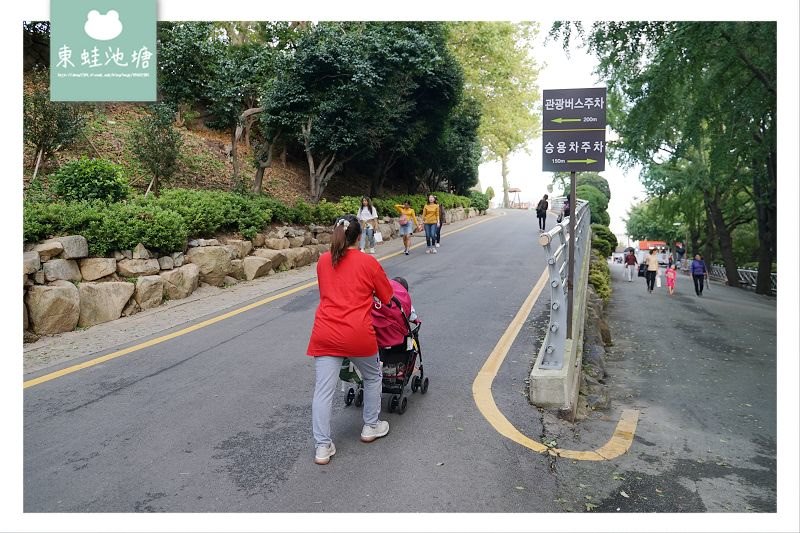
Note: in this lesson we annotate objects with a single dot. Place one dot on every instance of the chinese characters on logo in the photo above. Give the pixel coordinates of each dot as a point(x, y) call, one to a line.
point(91, 58)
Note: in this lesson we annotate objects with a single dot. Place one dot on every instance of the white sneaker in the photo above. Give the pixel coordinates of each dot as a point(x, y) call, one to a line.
point(370, 433)
point(434, 250)
point(437, 244)
point(361, 249)
point(428, 250)
point(372, 250)
point(324, 453)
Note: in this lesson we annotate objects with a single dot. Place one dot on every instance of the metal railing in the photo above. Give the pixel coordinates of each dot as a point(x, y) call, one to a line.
point(556, 246)
point(747, 278)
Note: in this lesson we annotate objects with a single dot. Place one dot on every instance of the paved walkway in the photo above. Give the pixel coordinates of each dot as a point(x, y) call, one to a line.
point(702, 373)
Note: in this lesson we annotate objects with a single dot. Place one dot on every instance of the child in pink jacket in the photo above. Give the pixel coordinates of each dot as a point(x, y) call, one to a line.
point(672, 275)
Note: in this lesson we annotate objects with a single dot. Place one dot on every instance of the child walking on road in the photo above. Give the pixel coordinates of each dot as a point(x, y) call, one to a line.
point(672, 275)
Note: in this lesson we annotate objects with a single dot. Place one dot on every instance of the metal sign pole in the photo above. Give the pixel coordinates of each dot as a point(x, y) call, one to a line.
point(573, 208)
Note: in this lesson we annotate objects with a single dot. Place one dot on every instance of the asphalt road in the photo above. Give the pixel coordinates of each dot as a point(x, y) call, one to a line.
point(219, 419)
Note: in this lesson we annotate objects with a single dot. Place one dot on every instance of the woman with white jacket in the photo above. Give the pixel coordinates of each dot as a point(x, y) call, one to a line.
point(368, 218)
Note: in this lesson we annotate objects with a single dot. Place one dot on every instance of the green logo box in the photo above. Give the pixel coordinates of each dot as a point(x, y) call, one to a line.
point(103, 50)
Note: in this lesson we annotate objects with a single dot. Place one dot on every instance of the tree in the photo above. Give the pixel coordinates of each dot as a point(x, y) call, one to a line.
point(48, 126)
point(501, 76)
point(156, 144)
point(701, 95)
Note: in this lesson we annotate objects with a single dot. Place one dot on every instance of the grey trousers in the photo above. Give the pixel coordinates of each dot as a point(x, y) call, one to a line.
point(327, 376)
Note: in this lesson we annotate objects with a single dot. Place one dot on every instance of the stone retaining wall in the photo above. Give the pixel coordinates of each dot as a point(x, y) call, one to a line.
point(64, 288)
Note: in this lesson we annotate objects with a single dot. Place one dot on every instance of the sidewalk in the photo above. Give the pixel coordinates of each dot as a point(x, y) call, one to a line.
point(702, 373)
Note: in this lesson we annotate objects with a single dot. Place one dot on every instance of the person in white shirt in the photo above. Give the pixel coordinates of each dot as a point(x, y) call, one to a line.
point(368, 217)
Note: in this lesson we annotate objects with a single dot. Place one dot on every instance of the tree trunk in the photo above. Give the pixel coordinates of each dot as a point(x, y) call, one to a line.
point(235, 133)
point(724, 237)
point(766, 216)
point(504, 172)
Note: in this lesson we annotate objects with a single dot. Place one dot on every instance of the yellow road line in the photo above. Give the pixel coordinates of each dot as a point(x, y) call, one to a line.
point(620, 441)
point(199, 325)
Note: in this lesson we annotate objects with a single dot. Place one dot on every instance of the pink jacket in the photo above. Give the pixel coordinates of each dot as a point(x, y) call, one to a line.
point(390, 326)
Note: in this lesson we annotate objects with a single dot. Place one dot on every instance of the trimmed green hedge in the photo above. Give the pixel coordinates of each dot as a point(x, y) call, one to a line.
point(164, 223)
point(90, 179)
point(600, 277)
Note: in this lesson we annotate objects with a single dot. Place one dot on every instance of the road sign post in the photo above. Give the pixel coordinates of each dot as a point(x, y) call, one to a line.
point(573, 140)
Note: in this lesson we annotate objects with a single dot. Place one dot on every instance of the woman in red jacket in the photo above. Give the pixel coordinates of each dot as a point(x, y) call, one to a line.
point(348, 280)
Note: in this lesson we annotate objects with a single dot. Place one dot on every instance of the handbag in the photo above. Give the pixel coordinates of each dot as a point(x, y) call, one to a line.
point(378, 236)
point(658, 281)
point(403, 220)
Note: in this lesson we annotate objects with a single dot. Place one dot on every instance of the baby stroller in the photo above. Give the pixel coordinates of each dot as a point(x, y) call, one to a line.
point(402, 365)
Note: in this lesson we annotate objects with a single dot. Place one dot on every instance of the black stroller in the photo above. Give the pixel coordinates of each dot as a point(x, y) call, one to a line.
point(402, 365)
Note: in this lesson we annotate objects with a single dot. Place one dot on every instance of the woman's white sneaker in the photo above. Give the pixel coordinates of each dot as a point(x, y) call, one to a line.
point(370, 433)
point(324, 453)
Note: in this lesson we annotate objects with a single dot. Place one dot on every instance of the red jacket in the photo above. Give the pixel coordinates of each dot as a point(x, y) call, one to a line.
point(343, 324)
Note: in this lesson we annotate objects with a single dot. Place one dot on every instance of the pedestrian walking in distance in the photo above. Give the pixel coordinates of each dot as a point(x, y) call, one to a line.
point(671, 275)
point(652, 270)
point(408, 223)
point(430, 218)
point(368, 218)
point(699, 273)
point(348, 280)
point(541, 212)
point(442, 218)
point(630, 265)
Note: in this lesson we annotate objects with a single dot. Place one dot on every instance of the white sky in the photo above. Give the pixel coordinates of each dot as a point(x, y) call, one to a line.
point(525, 169)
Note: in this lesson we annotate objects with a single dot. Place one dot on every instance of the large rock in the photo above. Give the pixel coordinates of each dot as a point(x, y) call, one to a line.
point(214, 263)
point(314, 252)
point(149, 291)
point(30, 262)
point(62, 269)
point(94, 268)
point(277, 244)
point(75, 246)
point(132, 308)
point(177, 259)
point(140, 252)
point(53, 308)
point(255, 267)
point(38, 278)
point(103, 302)
point(258, 240)
point(48, 250)
point(297, 257)
point(130, 268)
point(276, 257)
point(296, 242)
point(166, 263)
point(237, 269)
point(239, 249)
point(181, 282)
point(207, 242)
point(324, 238)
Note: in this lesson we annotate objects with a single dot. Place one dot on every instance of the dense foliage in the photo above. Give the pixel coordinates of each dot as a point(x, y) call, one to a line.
point(90, 179)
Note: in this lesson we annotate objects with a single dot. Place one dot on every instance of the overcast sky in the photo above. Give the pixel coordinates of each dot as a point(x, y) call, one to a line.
point(525, 170)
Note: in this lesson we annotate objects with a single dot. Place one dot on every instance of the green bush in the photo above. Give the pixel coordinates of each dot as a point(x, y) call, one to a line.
point(605, 233)
point(600, 277)
point(600, 217)
point(203, 212)
point(123, 226)
point(90, 179)
point(326, 213)
point(351, 204)
point(602, 246)
point(301, 213)
point(479, 200)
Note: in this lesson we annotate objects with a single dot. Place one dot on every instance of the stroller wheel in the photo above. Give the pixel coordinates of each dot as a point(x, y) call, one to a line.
point(350, 395)
point(424, 386)
point(360, 398)
point(415, 384)
point(403, 404)
point(393, 403)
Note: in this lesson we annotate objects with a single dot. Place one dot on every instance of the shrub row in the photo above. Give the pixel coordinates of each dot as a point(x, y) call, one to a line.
point(164, 223)
point(600, 277)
